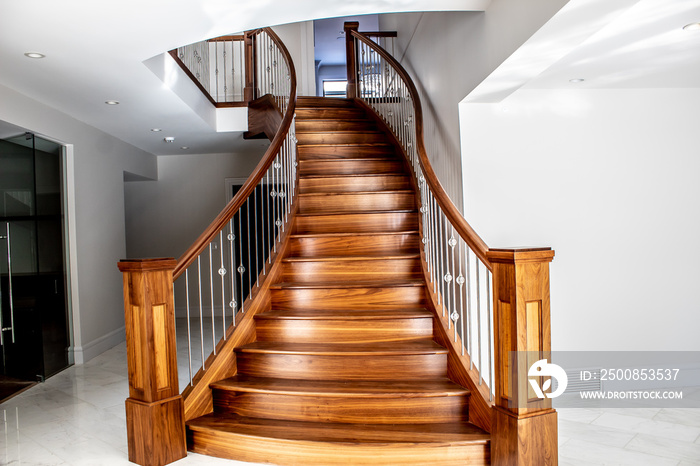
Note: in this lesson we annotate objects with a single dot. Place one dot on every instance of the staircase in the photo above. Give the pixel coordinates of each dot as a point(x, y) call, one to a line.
point(344, 369)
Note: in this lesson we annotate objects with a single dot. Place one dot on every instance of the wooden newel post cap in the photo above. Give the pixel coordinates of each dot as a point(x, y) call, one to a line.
point(146, 265)
point(511, 255)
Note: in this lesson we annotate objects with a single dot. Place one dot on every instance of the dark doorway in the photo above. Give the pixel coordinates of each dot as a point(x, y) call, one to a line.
point(34, 330)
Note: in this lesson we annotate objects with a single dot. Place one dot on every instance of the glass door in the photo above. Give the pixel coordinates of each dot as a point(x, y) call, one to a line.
point(34, 330)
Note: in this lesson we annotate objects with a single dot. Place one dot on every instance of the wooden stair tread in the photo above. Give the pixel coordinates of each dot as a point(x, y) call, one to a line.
point(402, 348)
point(351, 144)
point(360, 314)
point(345, 388)
point(350, 258)
point(355, 193)
point(353, 284)
point(344, 132)
point(363, 212)
point(440, 434)
point(360, 233)
point(354, 175)
point(324, 102)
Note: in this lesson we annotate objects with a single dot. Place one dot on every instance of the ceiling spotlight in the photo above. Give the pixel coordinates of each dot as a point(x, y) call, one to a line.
point(156, 130)
point(687, 27)
point(576, 80)
point(112, 102)
point(34, 55)
point(184, 147)
point(169, 139)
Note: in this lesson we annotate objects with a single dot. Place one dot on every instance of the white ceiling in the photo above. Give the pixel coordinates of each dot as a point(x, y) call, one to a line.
point(95, 52)
point(610, 44)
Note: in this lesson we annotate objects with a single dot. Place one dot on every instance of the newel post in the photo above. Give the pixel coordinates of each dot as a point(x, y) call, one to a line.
point(524, 427)
point(154, 410)
point(250, 84)
point(351, 58)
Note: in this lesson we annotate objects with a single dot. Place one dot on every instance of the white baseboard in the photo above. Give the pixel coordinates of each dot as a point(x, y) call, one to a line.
point(83, 354)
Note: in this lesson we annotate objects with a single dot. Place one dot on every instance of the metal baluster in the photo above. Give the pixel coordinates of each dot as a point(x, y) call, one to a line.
point(201, 317)
point(241, 74)
point(231, 238)
point(222, 273)
point(250, 262)
point(447, 281)
point(454, 316)
point(255, 207)
point(225, 78)
point(269, 228)
point(262, 226)
point(434, 244)
point(211, 297)
point(490, 334)
point(460, 282)
point(189, 334)
point(478, 322)
point(468, 297)
point(241, 269)
point(273, 194)
point(216, 69)
point(441, 249)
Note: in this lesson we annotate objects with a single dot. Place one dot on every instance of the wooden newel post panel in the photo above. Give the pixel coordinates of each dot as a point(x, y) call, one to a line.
point(154, 410)
point(250, 84)
point(524, 426)
point(351, 58)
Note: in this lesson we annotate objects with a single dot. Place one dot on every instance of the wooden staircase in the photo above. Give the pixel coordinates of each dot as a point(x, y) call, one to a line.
point(344, 369)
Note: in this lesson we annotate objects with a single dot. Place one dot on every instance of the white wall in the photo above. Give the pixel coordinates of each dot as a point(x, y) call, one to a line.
point(96, 166)
point(299, 40)
point(609, 179)
point(448, 54)
point(164, 217)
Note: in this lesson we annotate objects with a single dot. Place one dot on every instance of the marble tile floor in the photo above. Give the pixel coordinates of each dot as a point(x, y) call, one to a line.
point(77, 418)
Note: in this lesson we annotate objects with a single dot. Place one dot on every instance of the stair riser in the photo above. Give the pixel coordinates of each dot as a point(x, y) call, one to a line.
point(357, 223)
point(329, 113)
point(304, 126)
point(349, 167)
point(345, 152)
point(353, 183)
point(343, 331)
point(348, 298)
point(354, 245)
point(340, 137)
point(383, 410)
point(341, 367)
point(339, 271)
point(355, 202)
point(314, 102)
point(303, 453)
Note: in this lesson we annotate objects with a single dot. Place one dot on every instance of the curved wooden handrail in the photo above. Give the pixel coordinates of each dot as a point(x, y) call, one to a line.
point(246, 190)
point(451, 212)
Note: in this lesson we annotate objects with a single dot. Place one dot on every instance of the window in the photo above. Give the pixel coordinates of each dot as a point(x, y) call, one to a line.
point(334, 88)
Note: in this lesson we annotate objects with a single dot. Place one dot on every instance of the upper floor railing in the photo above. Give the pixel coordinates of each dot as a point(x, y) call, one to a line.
point(236, 69)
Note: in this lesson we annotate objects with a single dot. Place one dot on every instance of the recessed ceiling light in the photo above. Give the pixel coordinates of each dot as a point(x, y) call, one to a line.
point(156, 130)
point(184, 147)
point(692, 27)
point(34, 55)
point(576, 80)
point(169, 139)
point(112, 102)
